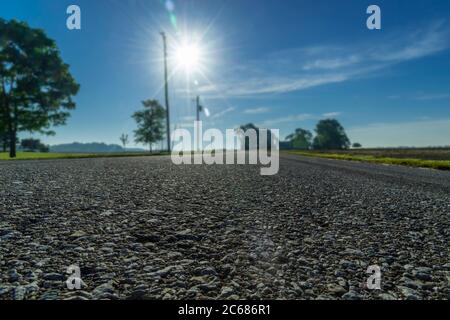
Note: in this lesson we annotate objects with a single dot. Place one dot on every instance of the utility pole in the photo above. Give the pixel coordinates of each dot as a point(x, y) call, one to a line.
point(198, 109)
point(166, 89)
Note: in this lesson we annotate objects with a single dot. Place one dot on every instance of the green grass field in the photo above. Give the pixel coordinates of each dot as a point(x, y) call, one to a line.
point(409, 153)
point(379, 158)
point(43, 156)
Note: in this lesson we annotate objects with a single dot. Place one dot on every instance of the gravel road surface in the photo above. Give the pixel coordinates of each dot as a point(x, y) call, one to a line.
point(143, 228)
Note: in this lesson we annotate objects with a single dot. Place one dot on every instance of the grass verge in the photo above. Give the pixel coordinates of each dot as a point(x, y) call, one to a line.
point(433, 164)
point(44, 156)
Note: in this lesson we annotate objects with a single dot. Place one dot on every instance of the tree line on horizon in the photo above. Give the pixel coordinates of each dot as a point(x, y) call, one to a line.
point(329, 135)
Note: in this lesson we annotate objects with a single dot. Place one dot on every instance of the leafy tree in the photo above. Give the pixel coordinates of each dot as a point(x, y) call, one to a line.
point(301, 139)
point(36, 87)
point(30, 144)
point(357, 145)
point(34, 145)
point(124, 139)
point(44, 148)
point(150, 122)
point(330, 135)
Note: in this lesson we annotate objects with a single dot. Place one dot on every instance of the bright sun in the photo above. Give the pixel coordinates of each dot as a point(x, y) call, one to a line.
point(188, 56)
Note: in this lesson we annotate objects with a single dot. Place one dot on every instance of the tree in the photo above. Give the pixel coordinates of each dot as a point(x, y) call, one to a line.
point(150, 122)
point(330, 135)
point(34, 145)
point(124, 139)
point(44, 148)
point(357, 145)
point(30, 144)
point(301, 139)
point(36, 87)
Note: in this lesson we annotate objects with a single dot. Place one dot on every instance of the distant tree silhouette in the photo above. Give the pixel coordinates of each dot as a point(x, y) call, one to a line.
point(34, 145)
point(150, 122)
point(124, 139)
point(301, 139)
point(330, 135)
point(357, 145)
point(36, 87)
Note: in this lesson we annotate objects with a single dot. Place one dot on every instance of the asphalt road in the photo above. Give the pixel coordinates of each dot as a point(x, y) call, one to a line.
point(144, 228)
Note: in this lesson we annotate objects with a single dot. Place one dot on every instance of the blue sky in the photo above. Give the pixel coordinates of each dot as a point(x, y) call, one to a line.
point(279, 64)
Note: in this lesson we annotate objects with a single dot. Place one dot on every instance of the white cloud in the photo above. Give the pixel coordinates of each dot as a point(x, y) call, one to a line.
point(271, 85)
point(297, 118)
point(422, 96)
point(287, 119)
point(416, 133)
point(432, 96)
point(421, 43)
point(282, 72)
point(331, 114)
point(334, 63)
point(256, 110)
point(222, 113)
point(188, 118)
point(186, 125)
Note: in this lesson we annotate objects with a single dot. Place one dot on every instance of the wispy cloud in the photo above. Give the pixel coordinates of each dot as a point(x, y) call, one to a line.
point(333, 63)
point(435, 96)
point(186, 125)
point(188, 118)
point(256, 110)
point(222, 113)
point(269, 85)
point(331, 114)
point(287, 119)
point(281, 72)
point(421, 43)
point(298, 118)
point(421, 96)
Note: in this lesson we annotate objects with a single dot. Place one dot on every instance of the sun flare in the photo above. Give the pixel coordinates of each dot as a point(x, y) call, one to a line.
point(188, 56)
